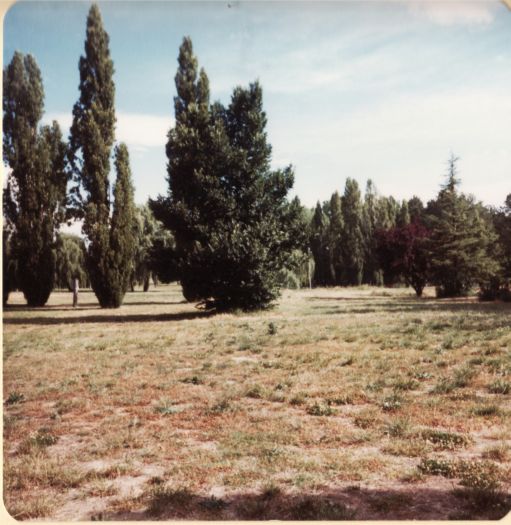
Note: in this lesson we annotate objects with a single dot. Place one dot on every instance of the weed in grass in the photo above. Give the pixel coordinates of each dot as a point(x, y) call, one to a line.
point(272, 328)
point(486, 410)
point(299, 398)
point(405, 384)
point(366, 419)
point(222, 405)
point(499, 453)
point(255, 392)
point(392, 403)
point(411, 448)
point(194, 380)
point(436, 467)
point(319, 409)
point(499, 387)
point(444, 440)
point(165, 408)
point(14, 398)
point(39, 440)
point(397, 428)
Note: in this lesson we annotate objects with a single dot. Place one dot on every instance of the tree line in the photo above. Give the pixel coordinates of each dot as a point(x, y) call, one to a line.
point(226, 229)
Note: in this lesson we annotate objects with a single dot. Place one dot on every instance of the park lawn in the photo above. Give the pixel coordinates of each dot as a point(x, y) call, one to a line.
point(341, 403)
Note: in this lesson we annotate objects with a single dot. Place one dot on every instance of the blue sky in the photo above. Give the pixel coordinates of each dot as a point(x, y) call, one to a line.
point(380, 90)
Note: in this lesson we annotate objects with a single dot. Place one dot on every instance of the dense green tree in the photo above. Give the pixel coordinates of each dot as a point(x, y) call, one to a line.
point(109, 232)
point(461, 240)
point(403, 252)
point(70, 262)
point(234, 228)
point(353, 240)
point(34, 197)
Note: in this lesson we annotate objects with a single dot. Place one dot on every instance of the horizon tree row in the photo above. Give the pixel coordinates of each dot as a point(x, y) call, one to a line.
point(453, 243)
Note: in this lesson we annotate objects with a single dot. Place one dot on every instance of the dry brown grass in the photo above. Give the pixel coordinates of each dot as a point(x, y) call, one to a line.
point(328, 402)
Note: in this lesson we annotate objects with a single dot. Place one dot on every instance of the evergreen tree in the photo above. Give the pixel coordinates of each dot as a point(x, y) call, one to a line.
point(233, 226)
point(34, 197)
point(461, 240)
point(502, 224)
point(353, 240)
point(110, 238)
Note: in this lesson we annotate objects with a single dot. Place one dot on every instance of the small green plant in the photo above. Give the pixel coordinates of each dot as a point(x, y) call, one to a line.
point(39, 440)
point(194, 380)
point(397, 428)
point(392, 403)
point(272, 328)
point(255, 392)
point(318, 409)
point(15, 397)
point(444, 440)
point(486, 410)
point(436, 467)
point(500, 387)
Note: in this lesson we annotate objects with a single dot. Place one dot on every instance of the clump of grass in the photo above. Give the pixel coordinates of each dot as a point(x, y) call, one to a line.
point(255, 392)
point(392, 403)
point(163, 499)
point(499, 387)
point(222, 405)
point(272, 328)
point(194, 380)
point(347, 362)
point(165, 408)
point(410, 448)
point(366, 419)
point(486, 410)
point(14, 398)
point(444, 440)
point(298, 399)
point(499, 453)
point(398, 428)
point(437, 467)
point(318, 409)
point(405, 384)
point(39, 440)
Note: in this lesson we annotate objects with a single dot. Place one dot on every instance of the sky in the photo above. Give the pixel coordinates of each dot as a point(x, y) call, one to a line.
point(379, 90)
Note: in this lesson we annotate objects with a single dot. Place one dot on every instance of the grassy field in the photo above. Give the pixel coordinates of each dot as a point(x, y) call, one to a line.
point(337, 404)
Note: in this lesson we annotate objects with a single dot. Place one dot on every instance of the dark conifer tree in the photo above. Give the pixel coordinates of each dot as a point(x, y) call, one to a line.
point(92, 136)
point(461, 240)
point(34, 197)
point(233, 226)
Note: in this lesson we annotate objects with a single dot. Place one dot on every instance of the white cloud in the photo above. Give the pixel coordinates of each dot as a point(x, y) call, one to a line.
point(449, 13)
point(403, 143)
point(138, 130)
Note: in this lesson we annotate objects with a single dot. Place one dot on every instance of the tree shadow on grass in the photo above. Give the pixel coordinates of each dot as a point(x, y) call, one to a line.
point(351, 503)
point(119, 318)
point(82, 306)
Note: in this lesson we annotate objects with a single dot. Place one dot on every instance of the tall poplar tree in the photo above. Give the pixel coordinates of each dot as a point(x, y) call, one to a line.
point(91, 141)
point(34, 197)
point(335, 240)
point(353, 240)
